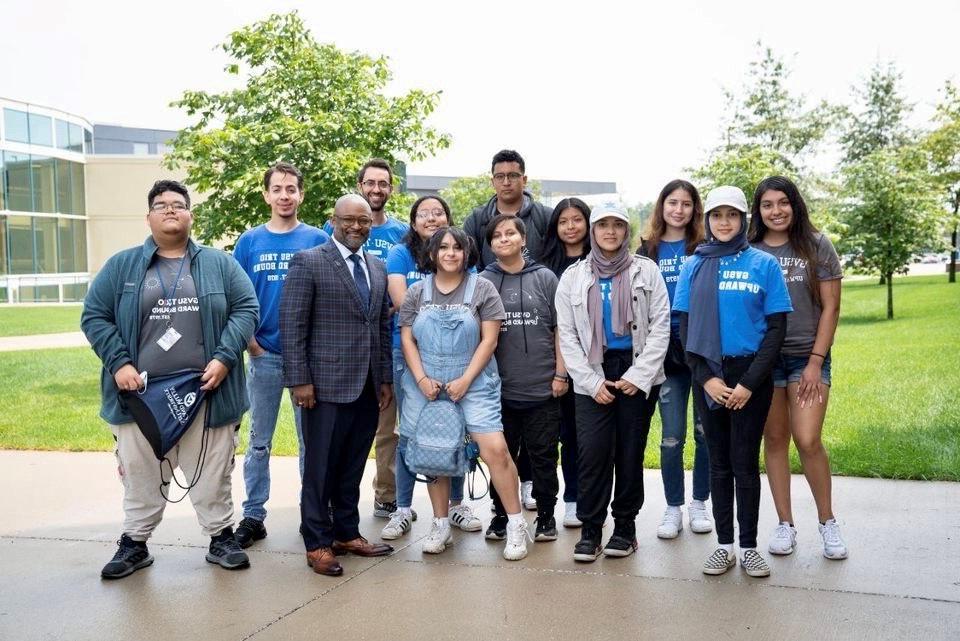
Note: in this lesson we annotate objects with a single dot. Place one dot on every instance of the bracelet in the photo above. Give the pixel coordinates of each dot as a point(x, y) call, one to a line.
point(564, 379)
point(420, 379)
point(822, 357)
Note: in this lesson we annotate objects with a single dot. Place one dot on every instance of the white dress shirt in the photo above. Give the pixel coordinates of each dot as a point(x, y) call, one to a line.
point(346, 252)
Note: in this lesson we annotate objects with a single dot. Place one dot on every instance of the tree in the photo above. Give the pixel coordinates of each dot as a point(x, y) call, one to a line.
point(743, 167)
point(303, 102)
point(893, 212)
point(463, 194)
point(879, 120)
point(943, 145)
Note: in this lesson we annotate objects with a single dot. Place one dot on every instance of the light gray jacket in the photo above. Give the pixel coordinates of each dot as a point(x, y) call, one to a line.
point(651, 326)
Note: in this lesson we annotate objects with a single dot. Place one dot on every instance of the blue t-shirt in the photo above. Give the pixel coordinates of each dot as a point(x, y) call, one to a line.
point(382, 237)
point(751, 287)
point(400, 261)
point(265, 257)
point(614, 341)
point(670, 258)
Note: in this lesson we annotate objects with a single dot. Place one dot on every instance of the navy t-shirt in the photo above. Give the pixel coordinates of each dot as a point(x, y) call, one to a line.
point(751, 287)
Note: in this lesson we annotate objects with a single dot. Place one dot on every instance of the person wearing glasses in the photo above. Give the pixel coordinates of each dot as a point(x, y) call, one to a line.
point(264, 253)
point(335, 334)
point(408, 263)
point(509, 180)
point(163, 307)
point(375, 184)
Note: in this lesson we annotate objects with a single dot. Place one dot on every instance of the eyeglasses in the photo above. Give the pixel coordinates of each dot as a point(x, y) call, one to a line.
point(161, 208)
point(350, 222)
point(423, 214)
point(382, 184)
point(511, 177)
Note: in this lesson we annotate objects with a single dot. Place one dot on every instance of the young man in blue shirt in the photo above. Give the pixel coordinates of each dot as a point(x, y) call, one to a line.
point(375, 184)
point(264, 253)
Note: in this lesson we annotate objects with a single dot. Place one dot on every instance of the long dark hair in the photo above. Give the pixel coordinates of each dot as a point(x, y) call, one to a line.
point(416, 245)
point(802, 235)
point(471, 255)
point(554, 253)
point(656, 226)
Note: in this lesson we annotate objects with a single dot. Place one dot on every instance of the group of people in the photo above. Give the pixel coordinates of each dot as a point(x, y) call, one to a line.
point(552, 336)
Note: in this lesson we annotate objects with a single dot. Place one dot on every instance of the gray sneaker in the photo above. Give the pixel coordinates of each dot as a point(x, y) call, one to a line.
point(226, 552)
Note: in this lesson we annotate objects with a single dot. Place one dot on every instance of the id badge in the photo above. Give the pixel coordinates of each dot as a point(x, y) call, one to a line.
point(169, 339)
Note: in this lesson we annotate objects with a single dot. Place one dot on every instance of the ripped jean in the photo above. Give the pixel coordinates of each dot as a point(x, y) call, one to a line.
point(674, 396)
point(265, 387)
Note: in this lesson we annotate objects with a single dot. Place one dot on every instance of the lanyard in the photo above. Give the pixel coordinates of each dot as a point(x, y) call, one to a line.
point(173, 290)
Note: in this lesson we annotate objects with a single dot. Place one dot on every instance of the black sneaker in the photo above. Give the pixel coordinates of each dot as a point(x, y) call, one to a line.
point(250, 530)
point(588, 547)
point(131, 556)
point(384, 510)
point(620, 544)
point(226, 552)
point(497, 531)
point(546, 529)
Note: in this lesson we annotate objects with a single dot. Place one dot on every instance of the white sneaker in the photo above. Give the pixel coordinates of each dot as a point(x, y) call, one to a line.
point(438, 539)
point(719, 562)
point(833, 545)
point(526, 496)
point(783, 540)
point(700, 521)
point(754, 564)
point(517, 536)
point(462, 517)
point(671, 524)
point(398, 526)
point(570, 515)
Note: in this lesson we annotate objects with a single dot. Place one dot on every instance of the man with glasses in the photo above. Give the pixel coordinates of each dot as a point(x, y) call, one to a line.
point(335, 331)
point(172, 306)
point(264, 253)
point(375, 184)
point(509, 180)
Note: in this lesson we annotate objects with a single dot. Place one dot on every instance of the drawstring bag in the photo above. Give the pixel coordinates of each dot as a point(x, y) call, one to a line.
point(436, 447)
point(472, 453)
point(164, 409)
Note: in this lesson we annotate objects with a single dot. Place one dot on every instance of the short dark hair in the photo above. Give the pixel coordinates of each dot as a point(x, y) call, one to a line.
point(499, 218)
point(508, 155)
point(471, 256)
point(167, 185)
point(283, 168)
point(379, 163)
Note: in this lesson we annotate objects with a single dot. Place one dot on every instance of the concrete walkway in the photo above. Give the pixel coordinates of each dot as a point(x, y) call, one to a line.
point(42, 341)
point(61, 516)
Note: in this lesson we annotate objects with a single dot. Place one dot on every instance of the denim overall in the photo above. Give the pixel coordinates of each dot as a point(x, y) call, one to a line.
point(447, 340)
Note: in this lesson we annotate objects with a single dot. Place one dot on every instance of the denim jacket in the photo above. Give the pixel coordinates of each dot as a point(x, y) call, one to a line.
point(650, 330)
point(229, 314)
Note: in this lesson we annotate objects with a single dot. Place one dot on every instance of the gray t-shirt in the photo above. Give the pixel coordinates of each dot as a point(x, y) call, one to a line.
point(486, 304)
point(802, 322)
point(169, 300)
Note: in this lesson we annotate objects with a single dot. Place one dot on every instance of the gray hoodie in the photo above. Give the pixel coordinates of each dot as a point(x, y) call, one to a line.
point(526, 353)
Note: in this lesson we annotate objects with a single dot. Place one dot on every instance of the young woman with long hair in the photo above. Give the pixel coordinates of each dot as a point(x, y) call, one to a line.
point(734, 304)
point(673, 233)
point(781, 226)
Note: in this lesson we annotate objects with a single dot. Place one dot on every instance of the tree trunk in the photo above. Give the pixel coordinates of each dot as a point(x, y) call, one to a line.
point(889, 278)
point(953, 254)
point(883, 279)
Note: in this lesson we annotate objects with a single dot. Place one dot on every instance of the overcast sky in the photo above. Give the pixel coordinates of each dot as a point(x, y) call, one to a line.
point(589, 90)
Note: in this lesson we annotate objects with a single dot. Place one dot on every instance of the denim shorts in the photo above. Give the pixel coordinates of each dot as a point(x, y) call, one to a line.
point(788, 369)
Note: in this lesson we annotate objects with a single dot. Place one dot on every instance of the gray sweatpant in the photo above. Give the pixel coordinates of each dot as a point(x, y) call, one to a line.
point(140, 474)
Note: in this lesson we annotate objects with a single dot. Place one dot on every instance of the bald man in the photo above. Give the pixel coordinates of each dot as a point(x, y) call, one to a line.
point(335, 334)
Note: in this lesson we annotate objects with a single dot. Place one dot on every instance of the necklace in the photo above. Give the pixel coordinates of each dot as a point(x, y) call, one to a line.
point(731, 259)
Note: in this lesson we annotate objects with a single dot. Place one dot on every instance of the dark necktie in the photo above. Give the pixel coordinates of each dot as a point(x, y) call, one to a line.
point(361, 281)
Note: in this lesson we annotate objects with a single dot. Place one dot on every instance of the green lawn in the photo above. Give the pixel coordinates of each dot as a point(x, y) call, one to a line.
point(894, 410)
point(51, 319)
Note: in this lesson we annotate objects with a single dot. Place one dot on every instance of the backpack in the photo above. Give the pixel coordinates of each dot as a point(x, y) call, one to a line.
point(436, 447)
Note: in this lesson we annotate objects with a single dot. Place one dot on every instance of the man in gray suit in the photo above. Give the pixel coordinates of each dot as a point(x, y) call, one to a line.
point(335, 332)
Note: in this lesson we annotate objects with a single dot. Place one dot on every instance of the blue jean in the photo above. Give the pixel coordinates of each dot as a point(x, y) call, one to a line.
point(265, 388)
point(674, 395)
point(405, 480)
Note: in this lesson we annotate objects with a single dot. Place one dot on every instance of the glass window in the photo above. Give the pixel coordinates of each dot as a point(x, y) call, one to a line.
point(45, 242)
point(73, 241)
point(44, 184)
point(76, 138)
point(39, 294)
point(3, 190)
point(16, 182)
point(141, 149)
point(15, 125)
point(20, 242)
point(87, 141)
point(41, 130)
point(3, 251)
point(63, 133)
point(77, 192)
point(64, 192)
point(74, 292)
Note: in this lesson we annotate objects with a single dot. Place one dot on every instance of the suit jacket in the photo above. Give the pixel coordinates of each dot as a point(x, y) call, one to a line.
point(328, 339)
